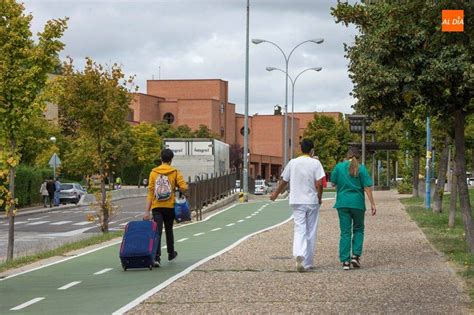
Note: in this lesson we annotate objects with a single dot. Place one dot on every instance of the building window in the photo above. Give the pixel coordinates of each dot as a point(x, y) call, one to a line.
point(222, 132)
point(242, 131)
point(169, 118)
point(130, 115)
point(222, 108)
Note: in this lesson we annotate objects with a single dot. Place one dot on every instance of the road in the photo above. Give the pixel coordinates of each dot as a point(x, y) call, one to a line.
point(94, 283)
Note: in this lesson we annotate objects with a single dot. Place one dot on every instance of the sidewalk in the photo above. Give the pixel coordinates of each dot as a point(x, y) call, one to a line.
point(401, 273)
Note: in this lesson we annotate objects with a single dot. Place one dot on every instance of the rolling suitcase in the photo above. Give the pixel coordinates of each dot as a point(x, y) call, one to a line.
point(139, 245)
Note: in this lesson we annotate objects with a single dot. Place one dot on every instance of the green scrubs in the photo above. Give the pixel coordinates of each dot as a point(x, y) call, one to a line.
point(350, 205)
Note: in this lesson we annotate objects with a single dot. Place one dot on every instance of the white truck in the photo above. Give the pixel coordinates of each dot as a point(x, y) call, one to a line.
point(199, 156)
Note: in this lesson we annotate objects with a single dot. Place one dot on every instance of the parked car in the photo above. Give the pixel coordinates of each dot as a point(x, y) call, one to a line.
point(262, 187)
point(71, 193)
point(237, 183)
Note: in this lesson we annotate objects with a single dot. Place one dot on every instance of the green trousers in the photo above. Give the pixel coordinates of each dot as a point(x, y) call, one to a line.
point(351, 223)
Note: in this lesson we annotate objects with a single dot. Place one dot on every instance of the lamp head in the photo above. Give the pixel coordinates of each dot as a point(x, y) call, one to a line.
point(53, 139)
point(257, 41)
point(317, 40)
point(270, 68)
point(317, 68)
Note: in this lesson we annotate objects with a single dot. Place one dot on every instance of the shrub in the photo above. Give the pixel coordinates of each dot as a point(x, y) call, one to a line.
point(28, 183)
point(406, 186)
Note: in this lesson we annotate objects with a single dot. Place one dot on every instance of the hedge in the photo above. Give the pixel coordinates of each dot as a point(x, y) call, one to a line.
point(28, 183)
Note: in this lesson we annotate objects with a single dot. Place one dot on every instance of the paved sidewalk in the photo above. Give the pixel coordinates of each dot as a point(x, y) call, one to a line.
point(401, 273)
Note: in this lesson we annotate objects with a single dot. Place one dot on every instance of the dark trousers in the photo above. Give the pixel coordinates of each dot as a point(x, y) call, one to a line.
point(166, 216)
point(51, 198)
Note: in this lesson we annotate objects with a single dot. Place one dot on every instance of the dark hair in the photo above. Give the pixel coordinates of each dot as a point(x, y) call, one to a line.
point(306, 146)
point(167, 155)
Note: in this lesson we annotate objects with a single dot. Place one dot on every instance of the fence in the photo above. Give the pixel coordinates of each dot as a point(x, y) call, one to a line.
point(206, 190)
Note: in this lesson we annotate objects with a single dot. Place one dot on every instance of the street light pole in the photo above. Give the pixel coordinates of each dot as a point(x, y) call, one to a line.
point(293, 82)
point(246, 117)
point(287, 60)
point(53, 140)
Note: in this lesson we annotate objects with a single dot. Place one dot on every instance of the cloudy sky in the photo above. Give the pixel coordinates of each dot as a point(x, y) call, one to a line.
point(199, 39)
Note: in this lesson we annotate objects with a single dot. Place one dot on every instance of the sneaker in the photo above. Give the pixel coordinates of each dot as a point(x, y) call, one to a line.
point(346, 265)
point(299, 264)
point(157, 264)
point(355, 261)
point(172, 256)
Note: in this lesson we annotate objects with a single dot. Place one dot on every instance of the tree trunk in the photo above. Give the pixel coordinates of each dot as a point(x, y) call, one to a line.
point(416, 172)
point(452, 202)
point(11, 210)
point(443, 166)
point(459, 122)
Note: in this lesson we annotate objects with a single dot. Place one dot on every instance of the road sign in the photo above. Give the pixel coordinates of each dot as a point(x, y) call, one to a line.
point(54, 161)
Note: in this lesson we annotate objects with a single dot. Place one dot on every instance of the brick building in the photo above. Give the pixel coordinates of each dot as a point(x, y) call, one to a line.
point(196, 102)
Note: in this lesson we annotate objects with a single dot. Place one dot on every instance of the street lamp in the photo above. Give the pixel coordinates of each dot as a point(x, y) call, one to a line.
point(257, 41)
point(293, 82)
point(53, 140)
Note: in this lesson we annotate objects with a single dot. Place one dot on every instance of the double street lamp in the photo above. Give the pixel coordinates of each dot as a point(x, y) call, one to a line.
point(293, 82)
point(287, 60)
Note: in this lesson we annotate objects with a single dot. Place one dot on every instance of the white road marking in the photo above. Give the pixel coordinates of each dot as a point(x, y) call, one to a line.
point(123, 224)
point(19, 222)
point(216, 229)
point(38, 222)
point(197, 234)
point(103, 271)
point(82, 223)
point(71, 233)
point(182, 240)
point(60, 222)
point(71, 284)
point(38, 218)
point(230, 224)
point(163, 247)
point(248, 217)
point(241, 221)
point(21, 306)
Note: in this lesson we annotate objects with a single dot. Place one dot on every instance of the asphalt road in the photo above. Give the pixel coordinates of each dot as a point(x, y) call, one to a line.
point(94, 282)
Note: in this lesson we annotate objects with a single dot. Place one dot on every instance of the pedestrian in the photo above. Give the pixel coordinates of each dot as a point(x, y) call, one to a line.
point(145, 182)
point(57, 190)
point(50, 187)
point(118, 183)
point(163, 182)
point(304, 175)
point(44, 192)
point(351, 180)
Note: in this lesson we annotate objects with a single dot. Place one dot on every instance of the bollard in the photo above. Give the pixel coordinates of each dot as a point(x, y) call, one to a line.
point(241, 196)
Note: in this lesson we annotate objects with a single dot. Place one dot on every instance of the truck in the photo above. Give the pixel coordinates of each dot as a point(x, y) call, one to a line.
point(199, 157)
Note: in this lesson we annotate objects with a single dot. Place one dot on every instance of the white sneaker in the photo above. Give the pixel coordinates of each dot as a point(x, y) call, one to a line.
point(299, 263)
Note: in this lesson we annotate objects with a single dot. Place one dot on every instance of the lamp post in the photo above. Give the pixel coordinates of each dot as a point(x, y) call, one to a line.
point(54, 158)
point(293, 82)
point(245, 161)
point(287, 60)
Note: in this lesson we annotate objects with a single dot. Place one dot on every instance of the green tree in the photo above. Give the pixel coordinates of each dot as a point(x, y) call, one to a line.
point(98, 99)
point(331, 139)
point(399, 66)
point(204, 132)
point(147, 147)
point(24, 65)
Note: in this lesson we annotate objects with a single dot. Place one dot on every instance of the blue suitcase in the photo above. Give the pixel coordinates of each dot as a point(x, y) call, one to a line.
point(139, 245)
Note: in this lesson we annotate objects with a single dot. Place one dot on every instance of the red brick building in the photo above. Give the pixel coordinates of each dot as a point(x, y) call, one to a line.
point(196, 102)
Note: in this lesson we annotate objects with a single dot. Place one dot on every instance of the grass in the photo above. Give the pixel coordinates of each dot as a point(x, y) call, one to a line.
point(449, 241)
point(25, 260)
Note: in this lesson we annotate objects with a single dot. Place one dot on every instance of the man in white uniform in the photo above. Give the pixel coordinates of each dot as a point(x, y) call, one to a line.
point(305, 176)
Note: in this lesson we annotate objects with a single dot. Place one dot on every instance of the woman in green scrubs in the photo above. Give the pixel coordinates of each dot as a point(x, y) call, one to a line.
point(351, 180)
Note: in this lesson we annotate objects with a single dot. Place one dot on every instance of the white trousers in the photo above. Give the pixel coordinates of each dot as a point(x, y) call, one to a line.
point(306, 219)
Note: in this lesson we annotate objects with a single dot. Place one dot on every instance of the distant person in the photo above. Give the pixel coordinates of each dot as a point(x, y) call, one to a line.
point(145, 182)
point(51, 188)
point(351, 180)
point(44, 192)
point(57, 191)
point(118, 183)
point(163, 181)
point(304, 175)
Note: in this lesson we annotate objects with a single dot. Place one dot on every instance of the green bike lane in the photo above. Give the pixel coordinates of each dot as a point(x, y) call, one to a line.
point(95, 283)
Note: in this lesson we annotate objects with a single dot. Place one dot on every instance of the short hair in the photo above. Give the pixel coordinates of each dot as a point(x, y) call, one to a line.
point(306, 146)
point(167, 155)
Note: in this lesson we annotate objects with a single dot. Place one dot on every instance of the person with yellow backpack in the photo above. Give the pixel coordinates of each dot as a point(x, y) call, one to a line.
point(162, 183)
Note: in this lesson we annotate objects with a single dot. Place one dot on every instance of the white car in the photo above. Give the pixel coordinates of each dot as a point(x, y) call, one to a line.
point(262, 187)
point(71, 193)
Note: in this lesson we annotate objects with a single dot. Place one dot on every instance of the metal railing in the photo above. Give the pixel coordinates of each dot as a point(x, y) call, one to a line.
point(206, 190)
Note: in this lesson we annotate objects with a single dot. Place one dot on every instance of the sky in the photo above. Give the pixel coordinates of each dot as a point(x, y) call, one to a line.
point(205, 39)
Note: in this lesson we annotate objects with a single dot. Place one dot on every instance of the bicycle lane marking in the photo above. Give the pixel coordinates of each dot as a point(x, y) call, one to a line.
point(87, 262)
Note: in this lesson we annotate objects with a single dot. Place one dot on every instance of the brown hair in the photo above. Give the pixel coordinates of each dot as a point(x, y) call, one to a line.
point(352, 155)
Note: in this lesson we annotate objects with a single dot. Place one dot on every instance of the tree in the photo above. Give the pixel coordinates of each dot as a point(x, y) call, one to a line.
point(98, 99)
point(331, 139)
point(399, 67)
point(24, 65)
point(204, 132)
point(235, 156)
point(147, 147)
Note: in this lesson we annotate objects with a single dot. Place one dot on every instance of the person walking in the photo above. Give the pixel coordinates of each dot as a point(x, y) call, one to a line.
point(163, 181)
point(44, 192)
point(50, 187)
point(351, 180)
point(57, 191)
point(305, 175)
